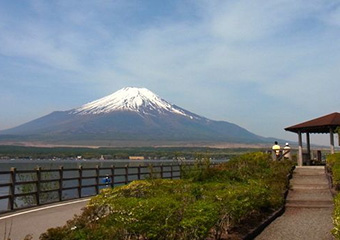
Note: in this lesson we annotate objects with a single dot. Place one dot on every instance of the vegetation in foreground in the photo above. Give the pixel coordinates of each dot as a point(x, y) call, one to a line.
point(333, 164)
point(208, 202)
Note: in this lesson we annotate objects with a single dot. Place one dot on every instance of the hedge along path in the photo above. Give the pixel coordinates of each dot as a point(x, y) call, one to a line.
point(309, 208)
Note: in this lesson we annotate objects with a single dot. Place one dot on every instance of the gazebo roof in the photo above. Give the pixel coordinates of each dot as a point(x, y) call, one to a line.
point(318, 125)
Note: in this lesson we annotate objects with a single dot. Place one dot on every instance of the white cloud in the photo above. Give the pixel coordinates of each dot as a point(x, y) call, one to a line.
point(37, 44)
point(332, 16)
point(248, 20)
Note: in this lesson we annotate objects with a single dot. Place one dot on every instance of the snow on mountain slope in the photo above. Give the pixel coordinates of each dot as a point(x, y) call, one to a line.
point(134, 99)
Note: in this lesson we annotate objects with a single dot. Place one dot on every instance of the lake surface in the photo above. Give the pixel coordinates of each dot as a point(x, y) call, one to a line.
point(27, 164)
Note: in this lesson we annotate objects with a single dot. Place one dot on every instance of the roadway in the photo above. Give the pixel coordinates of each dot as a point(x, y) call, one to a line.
point(36, 221)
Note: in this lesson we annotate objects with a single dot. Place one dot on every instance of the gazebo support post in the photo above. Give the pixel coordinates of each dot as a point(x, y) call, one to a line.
point(300, 149)
point(308, 148)
point(331, 140)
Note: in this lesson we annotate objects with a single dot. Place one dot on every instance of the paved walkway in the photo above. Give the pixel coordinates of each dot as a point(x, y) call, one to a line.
point(36, 221)
point(309, 208)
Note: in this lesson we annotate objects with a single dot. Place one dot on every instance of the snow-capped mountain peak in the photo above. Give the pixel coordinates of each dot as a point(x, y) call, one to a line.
point(134, 99)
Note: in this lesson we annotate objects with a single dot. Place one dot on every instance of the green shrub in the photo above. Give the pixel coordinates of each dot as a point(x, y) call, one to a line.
point(333, 164)
point(199, 172)
point(336, 217)
point(208, 201)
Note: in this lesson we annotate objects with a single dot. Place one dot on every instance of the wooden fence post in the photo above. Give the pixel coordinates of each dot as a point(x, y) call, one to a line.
point(112, 176)
point(126, 173)
point(97, 179)
point(61, 176)
point(80, 170)
point(150, 171)
point(171, 171)
point(180, 170)
point(139, 172)
point(162, 171)
point(11, 198)
point(38, 172)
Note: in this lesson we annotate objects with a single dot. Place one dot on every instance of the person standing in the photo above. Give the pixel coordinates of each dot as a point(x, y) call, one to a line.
point(276, 149)
point(286, 152)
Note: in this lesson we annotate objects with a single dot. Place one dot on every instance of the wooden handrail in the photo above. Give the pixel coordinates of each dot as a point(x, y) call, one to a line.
point(37, 180)
point(283, 152)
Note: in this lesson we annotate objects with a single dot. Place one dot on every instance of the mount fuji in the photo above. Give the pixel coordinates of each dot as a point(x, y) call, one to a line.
point(131, 116)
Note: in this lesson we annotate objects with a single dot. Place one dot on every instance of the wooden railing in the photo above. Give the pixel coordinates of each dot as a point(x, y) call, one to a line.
point(282, 154)
point(29, 188)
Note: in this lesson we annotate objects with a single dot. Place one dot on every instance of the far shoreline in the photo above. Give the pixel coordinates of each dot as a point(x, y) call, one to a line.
point(122, 144)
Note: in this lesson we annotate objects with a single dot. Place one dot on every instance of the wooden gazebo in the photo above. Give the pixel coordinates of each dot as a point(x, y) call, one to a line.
point(324, 124)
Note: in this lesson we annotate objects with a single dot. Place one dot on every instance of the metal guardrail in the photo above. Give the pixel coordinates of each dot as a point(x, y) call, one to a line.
point(36, 180)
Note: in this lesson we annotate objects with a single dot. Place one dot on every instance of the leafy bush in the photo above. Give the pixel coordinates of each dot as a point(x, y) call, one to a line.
point(208, 201)
point(336, 217)
point(333, 164)
point(199, 172)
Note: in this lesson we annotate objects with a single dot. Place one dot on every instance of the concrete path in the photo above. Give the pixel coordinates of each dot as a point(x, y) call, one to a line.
point(36, 221)
point(309, 208)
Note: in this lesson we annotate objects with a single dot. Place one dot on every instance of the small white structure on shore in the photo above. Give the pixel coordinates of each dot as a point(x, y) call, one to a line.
point(136, 157)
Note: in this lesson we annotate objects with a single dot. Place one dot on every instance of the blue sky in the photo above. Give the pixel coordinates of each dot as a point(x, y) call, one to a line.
point(263, 65)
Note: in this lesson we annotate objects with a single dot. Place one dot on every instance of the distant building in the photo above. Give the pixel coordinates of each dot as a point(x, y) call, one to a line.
point(136, 157)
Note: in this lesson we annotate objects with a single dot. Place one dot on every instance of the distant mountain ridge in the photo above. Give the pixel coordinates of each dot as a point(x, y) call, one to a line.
point(130, 115)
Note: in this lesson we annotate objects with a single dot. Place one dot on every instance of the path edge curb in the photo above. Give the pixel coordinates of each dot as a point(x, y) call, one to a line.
point(256, 231)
